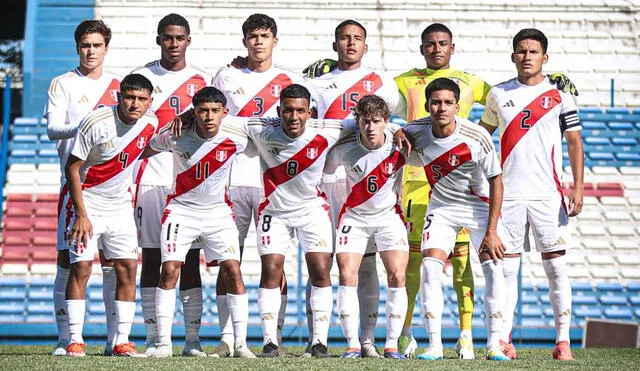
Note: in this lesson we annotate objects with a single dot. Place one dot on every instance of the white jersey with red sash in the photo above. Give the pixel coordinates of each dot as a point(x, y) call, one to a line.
point(292, 167)
point(109, 148)
point(172, 93)
point(252, 94)
point(201, 166)
point(531, 120)
point(70, 98)
point(458, 166)
point(371, 177)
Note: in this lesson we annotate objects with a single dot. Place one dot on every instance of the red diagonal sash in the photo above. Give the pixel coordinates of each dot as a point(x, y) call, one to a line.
point(206, 166)
point(344, 103)
point(179, 100)
point(282, 173)
point(372, 182)
point(110, 95)
point(99, 174)
point(526, 119)
point(266, 98)
point(446, 163)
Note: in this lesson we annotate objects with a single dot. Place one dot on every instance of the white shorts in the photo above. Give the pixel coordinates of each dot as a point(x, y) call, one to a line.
point(214, 228)
point(443, 222)
point(246, 201)
point(150, 203)
point(391, 236)
point(313, 231)
point(114, 234)
point(65, 212)
point(547, 219)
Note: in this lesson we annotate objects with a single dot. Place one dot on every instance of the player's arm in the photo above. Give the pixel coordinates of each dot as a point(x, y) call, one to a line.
point(490, 120)
point(82, 230)
point(576, 159)
point(56, 114)
point(563, 83)
point(319, 68)
point(491, 245)
point(163, 142)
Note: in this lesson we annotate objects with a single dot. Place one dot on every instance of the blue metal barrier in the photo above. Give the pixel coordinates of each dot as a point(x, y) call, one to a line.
point(6, 121)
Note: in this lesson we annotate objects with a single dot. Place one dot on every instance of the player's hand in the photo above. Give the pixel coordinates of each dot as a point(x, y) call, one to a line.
point(319, 68)
point(401, 140)
point(238, 62)
point(563, 83)
point(491, 246)
point(80, 233)
point(575, 201)
point(183, 121)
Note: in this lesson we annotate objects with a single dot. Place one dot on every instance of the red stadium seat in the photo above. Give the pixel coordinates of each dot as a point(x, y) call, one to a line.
point(45, 254)
point(20, 197)
point(610, 189)
point(19, 208)
point(46, 209)
point(47, 197)
point(17, 238)
point(45, 224)
point(18, 223)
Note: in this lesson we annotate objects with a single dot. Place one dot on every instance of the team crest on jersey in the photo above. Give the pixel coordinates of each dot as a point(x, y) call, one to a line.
point(142, 141)
point(546, 102)
point(388, 168)
point(221, 155)
point(312, 153)
point(275, 90)
point(368, 85)
point(114, 94)
point(191, 89)
point(454, 160)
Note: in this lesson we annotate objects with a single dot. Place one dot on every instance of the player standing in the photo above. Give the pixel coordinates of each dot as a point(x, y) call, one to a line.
point(99, 171)
point(71, 97)
point(252, 91)
point(462, 167)
point(174, 83)
point(533, 116)
point(370, 210)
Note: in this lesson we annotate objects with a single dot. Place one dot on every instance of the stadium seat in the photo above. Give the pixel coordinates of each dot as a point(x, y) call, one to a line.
point(613, 300)
point(587, 312)
point(584, 300)
point(618, 313)
point(633, 286)
point(609, 287)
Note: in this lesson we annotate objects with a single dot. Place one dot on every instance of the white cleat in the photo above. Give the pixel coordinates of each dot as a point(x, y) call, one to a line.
point(410, 348)
point(368, 350)
point(61, 348)
point(223, 350)
point(162, 351)
point(464, 348)
point(193, 349)
point(433, 353)
point(243, 352)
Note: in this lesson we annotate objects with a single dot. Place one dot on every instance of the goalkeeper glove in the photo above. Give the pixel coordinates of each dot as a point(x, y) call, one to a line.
point(319, 68)
point(563, 83)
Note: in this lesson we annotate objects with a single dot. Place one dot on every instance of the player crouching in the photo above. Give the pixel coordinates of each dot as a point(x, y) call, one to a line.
point(197, 208)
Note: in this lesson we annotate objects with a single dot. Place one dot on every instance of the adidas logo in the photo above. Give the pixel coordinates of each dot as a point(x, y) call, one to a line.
point(157, 89)
point(332, 86)
point(357, 169)
point(509, 104)
point(84, 99)
point(240, 91)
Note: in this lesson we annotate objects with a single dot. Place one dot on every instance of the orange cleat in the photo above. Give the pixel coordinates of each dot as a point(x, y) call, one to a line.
point(562, 352)
point(126, 350)
point(76, 350)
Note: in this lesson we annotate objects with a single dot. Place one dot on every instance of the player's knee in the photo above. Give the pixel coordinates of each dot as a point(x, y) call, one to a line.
point(396, 277)
point(80, 271)
point(348, 277)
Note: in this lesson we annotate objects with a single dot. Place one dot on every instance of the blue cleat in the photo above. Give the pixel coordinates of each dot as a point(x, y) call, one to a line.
point(496, 354)
point(433, 353)
point(351, 353)
point(393, 355)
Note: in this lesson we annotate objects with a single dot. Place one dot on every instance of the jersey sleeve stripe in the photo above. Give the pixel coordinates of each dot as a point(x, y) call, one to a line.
point(86, 125)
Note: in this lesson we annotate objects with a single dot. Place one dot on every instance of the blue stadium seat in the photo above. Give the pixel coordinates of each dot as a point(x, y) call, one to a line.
point(621, 125)
point(633, 286)
point(602, 141)
point(11, 308)
point(40, 309)
point(628, 156)
point(584, 110)
point(584, 312)
point(617, 313)
point(609, 286)
point(96, 309)
point(48, 153)
point(624, 141)
point(614, 110)
point(41, 295)
point(12, 294)
point(584, 300)
point(613, 300)
point(527, 298)
point(601, 156)
point(531, 311)
point(594, 125)
point(634, 300)
point(581, 286)
point(548, 312)
point(534, 322)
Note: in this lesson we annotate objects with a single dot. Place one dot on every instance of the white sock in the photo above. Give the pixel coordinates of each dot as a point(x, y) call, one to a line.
point(59, 305)
point(348, 312)
point(510, 266)
point(493, 300)
point(559, 295)
point(432, 299)
point(369, 298)
point(165, 310)
point(269, 305)
point(239, 312)
point(109, 282)
point(396, 309)
point(226, 326)
point(148, 296)
point(192, 310)
point(307, 296)
point(321, 305)
point(281, 315)
point(125, 311)
point(76, 310)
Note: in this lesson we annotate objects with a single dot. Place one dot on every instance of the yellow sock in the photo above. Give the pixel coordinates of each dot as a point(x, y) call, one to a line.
point(412, 283)
point(463, 283)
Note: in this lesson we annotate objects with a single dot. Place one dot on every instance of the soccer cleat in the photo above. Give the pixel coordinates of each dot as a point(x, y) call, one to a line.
point(193, 349)
point(464, 348)
point(162, 351)
point(561, 352)
point(369, 350)
point(150, 348)
point(126, 350)
point(319, 350)
point(269, 350)
point(508, 349)
point(407, 346)
point(61, 348)
point(243, 352)
point(351, 353)
point(433, 353)
point(223, 350)
point(393, 354)
point(76, 350)
point(108, 350)
point(496, 354)
point(307, 352)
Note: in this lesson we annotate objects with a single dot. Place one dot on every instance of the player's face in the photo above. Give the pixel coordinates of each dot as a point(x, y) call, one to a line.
point(351, 44)
point(372, 130)
point(529, 58)
point(260, 44)
point(91, 50)
point(133, 104)
point(442, 107)
point(294, 113)
point(173, 42)
point(437, 48)
point(209, 116)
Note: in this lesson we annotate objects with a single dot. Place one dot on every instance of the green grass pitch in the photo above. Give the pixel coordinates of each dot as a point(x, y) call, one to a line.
point(39, 358)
